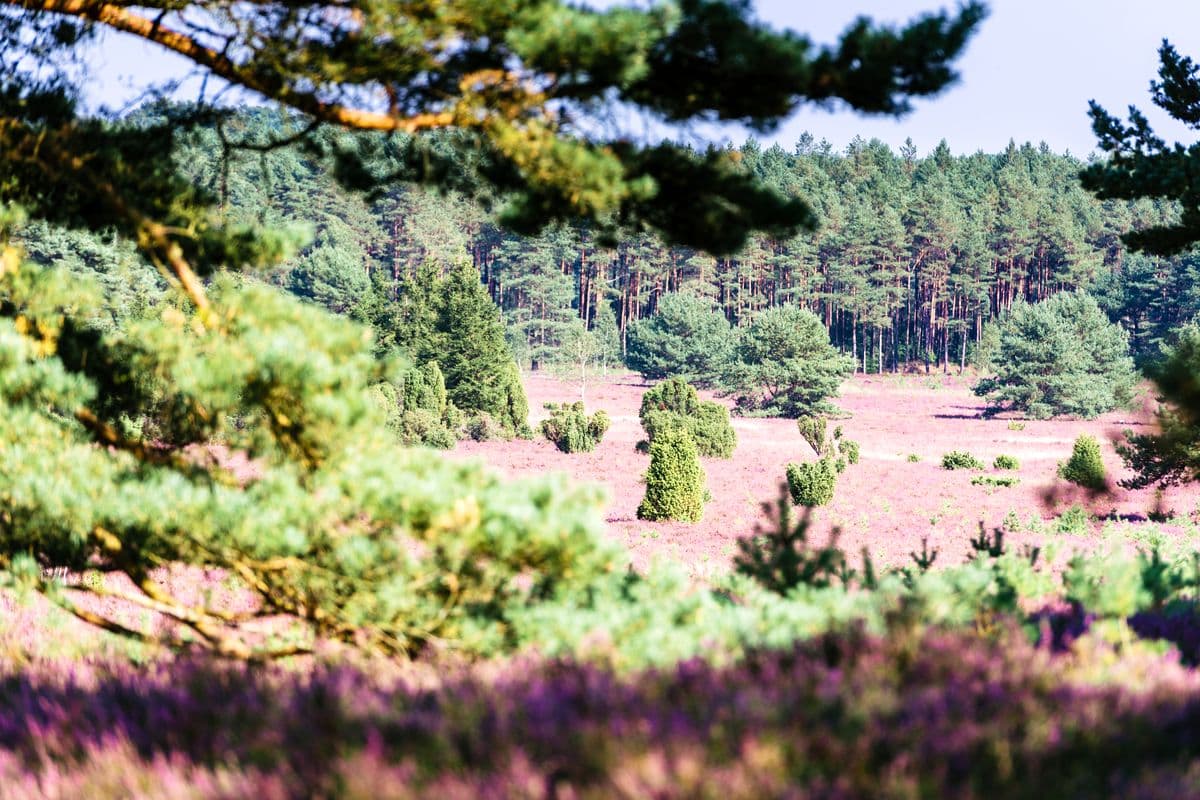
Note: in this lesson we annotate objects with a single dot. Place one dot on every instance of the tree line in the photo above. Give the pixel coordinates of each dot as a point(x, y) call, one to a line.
point(914, 256)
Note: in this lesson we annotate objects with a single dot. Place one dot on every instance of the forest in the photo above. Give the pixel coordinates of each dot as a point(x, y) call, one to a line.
point(915, 254)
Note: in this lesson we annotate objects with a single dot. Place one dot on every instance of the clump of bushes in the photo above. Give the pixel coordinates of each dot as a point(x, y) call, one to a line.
point(674, 404)
point(812, 483)
point(960, 459)
point(1006, 462)
point(572, 430)
point(418, 412)
point(1085, 467)
point(675, 480)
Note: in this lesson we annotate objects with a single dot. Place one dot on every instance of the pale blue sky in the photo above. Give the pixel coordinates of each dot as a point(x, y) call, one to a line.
point(1027, 75)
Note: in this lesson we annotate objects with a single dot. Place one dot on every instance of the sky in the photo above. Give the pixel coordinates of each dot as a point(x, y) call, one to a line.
point(1027, 75)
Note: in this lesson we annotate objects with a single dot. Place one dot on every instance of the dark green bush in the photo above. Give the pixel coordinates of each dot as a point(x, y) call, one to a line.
point(849, 449)
point(674, 394)
point(712, 430)
point(425, 389)
point(674, 481)
point(812, 483)
point(1085, 467)
point(571, 430)
point(959, 459)
point(1006, 462)
point(675, 404)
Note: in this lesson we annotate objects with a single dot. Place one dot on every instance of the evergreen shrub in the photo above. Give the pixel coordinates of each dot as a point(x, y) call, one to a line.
point(675, 480)
point(812, 483)
point(1006, 462)
point(1085, 467)
point(482, 427)
point(812, 428)
point(849, 449)
point(571, 430)
point(959, 459)
point(674, 403)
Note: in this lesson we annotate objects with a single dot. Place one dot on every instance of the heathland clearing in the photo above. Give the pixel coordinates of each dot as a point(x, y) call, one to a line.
point(887, 502)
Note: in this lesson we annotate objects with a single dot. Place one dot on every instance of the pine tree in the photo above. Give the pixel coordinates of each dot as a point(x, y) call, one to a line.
point(1060, 356)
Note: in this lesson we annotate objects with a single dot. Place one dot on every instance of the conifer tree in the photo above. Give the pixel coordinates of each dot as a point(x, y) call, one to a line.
point(675, 479)
point(1060, 356)
point(471, 349)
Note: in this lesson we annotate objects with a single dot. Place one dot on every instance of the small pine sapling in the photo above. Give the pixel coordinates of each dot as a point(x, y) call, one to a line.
point(1085, 467)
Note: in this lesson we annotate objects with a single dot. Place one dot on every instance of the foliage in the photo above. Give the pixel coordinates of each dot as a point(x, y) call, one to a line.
point(351, 536)
point(675, 480)
point(1075, 520)
point(785, 364)
point(674, 403)
point(571, 430)
point(781, 559)
point(684, 338)
point(1170, 456)
point(913, 458)
point(1085, 467)
point(849, 449)
point(481, 427)
point(959, 459)
point(812, 429)
point(1006, 462)
point(1004, 481)
point(1060, 356)
point(468, 343)
point(812, 482)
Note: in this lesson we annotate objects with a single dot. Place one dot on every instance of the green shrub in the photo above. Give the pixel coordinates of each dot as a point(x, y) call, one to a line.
point(674, 394)
point(813, 428)
point(425, 389)
point(1075, 520)
point(1006, 462)
point(675, 404)
point(482, 427)
point(959, 459)
point(421, 427)
point(812, 483)
point(849, 449)
point(571, 430)
point(1085, 467)
point(995, 480)
point(712, 430)
point(1016, 426)
point(913, 458)
point(674, 481)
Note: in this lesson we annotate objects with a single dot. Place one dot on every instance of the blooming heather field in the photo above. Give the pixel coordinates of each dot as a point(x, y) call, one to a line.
point(885, 503)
